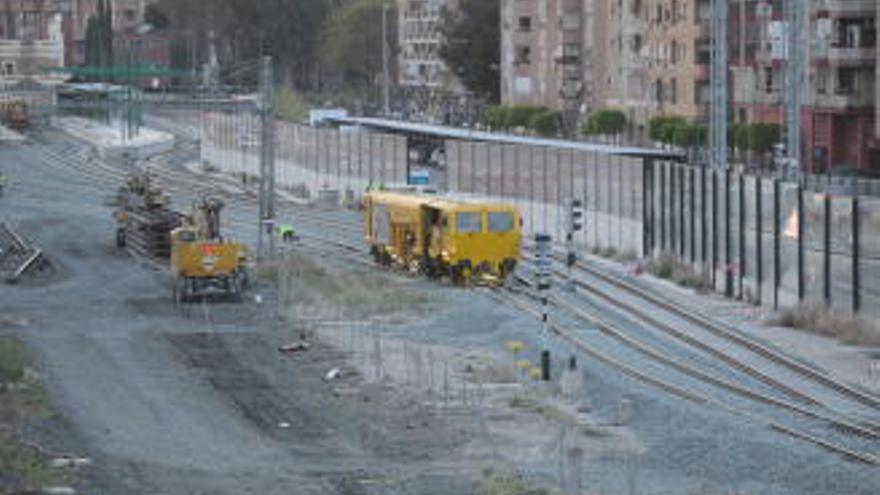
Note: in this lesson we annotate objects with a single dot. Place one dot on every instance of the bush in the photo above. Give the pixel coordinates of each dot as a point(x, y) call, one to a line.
point(690, 135)
point(545, 123)
point(497, 116)
point(520, 116)
point(815, 318)
point(663, 127)
point(604, 122)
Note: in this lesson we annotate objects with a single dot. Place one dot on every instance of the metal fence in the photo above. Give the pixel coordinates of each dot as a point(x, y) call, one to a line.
point(758, 239)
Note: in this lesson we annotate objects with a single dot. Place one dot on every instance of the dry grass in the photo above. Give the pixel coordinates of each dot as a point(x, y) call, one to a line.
point(815, 318)
point(667, 266)
point(314, 289)
point(23, 465)
point(498, 482)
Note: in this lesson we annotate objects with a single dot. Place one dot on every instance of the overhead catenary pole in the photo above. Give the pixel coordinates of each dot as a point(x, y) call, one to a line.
point(719, 83)
point(386, 65)
point(793, 71)
point(265, 107)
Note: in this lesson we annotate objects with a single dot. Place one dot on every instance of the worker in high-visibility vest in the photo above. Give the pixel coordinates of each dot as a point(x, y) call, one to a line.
point(286, 231)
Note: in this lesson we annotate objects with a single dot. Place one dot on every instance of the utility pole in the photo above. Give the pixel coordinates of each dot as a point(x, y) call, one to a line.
point(386, 69)
point(719, 84)
point(266, 109)
point(793, 10)
point(544, 262)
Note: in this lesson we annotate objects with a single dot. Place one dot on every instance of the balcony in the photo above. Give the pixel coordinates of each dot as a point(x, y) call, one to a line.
point(835, 54)
point(836, 8)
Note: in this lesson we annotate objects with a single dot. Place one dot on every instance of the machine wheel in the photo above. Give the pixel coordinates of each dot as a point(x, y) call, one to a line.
point(120, 238)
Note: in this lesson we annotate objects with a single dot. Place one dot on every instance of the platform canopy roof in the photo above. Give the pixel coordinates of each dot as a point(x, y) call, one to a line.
point(446, 132)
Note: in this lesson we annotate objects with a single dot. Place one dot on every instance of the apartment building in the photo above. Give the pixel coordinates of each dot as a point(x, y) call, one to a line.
point(645, 57)
point(839, 83)
point(419, 63)
point(31, 39)
point(547, 54)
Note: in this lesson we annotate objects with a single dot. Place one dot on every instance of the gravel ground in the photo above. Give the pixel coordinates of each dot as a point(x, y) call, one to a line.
point(167, 402)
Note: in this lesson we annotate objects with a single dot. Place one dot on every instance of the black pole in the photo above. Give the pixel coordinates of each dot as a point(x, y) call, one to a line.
point(759, 237)
point(647, 206)
point(856, 290)
point(681, 216)
point(703, 236)
point(693, 212)
point(662, 207)
point(800, 243)
point(728, 252)
point(742, 233)
point(776, 246)
point(673, 196)
point(827, 247)
point(714, 227)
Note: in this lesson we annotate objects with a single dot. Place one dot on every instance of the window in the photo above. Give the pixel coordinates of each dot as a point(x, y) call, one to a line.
point(847, 80)
point(768, 79)
point(822, 81)
point(523, 55)
point(468, 222)
point(525, 23)
point(500, 221)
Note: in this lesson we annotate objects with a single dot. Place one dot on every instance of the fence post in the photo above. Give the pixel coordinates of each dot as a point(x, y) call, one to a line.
point(488, 169)
point(856, 289)
point(826, 269)
point(693, 213)
point(545, 192)
point(728, 254)
point(800, 242)
point(741, 271)
point(776, 258)
point(647, 206)
point(759, 237)
point(714, 228)
point(703, 237)
point(663, 207)
point(673, 196)
point(682, 239)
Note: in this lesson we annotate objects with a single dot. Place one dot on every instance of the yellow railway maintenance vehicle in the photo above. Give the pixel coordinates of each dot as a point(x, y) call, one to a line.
point(203, 263)
point(443, 237)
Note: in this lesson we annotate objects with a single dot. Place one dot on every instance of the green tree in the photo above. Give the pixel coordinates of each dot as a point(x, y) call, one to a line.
point(351, 40)
point(663, 128)
point(472, 37)
point(99, 37)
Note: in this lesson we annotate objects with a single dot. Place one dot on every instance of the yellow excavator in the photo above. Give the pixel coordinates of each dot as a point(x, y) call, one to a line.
point(205, 265)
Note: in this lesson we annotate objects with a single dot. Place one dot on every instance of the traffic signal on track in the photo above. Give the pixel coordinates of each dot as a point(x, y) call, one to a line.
point(574, 215)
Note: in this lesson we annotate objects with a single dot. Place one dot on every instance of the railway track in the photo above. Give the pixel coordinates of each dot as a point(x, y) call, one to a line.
point(188, 183)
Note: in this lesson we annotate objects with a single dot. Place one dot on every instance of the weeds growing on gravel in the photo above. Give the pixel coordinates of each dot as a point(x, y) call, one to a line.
point(497, 482)
point(313, 288)
point(23, 467)
point(667, 266)
point(815, 318)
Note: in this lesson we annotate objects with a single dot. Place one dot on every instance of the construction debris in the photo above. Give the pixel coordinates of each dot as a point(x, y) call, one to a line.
point(17, 254)
point(294, 347)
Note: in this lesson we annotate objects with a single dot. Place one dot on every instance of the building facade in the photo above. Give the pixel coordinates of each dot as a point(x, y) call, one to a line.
point(128, 16)
point(547, 54)
point(419, 63)
point(32, 38)
point(645, 57)
point(839, 83)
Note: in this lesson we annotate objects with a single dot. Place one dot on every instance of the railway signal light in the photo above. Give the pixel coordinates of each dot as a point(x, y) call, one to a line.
point(576, 213)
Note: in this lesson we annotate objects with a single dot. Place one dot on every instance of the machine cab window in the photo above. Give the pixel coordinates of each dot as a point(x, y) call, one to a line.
point(500, 221)
point(467, 222)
